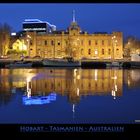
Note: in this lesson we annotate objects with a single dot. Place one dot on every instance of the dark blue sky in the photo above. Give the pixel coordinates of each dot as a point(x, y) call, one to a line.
point(90, 17)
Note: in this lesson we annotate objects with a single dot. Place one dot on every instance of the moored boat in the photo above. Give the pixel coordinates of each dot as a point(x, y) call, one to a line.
point(114, 64)
point(19, 64)
point(61, 63)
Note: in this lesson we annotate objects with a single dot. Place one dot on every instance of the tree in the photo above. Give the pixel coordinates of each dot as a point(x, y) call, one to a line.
point(5, 31)
point(131, 46)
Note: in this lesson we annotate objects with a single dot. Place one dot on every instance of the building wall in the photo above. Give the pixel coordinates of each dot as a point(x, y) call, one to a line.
point(95, 46)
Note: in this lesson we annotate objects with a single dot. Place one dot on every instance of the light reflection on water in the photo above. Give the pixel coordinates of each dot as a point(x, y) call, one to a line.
point(49, 95)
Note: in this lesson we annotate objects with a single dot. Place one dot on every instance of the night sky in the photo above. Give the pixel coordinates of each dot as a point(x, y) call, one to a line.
point(90, 17)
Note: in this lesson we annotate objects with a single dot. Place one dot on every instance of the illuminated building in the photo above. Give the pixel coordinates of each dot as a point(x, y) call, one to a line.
point(38, 26)
point(76, 43)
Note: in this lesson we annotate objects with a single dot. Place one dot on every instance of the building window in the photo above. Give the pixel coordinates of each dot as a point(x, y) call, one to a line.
point(58, 43)
point(82, 51)
point(103, 52)
point(89, 51)
point(102, 42)
point(109, 51)
point(45, 42)
point(52, 42)
point(96, 52)
point(96, 42)
point(89, 42)
point(117, 51)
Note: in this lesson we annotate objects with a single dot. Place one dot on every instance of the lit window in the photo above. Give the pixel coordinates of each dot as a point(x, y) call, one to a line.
point(96, 52)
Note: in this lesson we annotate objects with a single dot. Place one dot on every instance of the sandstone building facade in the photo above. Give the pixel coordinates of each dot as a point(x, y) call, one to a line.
point(75, 43)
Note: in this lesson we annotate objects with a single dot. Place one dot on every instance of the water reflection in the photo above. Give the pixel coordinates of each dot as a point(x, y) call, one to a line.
point(38, 100)
point(132, 78)
point(73, 83)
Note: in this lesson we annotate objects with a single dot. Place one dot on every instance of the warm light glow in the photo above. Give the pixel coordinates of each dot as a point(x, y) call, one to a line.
point(96, 75)
point(19, 45)
point(115, 87)
point(115, 77)
point(28, 81)
point(78, 76)
point(28, 90)
point(128, 43)
point(75, 72)
point(96, 52)
point(128, 82)
point(28, 36)
point(77, 91)
point(113, 37)
point(113, 93)
point(13, 34)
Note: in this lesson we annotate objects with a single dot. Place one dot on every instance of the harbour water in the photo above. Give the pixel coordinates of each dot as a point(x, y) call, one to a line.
point(67, 95)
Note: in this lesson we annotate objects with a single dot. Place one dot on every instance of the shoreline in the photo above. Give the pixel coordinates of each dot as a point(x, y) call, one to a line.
point(84, 63)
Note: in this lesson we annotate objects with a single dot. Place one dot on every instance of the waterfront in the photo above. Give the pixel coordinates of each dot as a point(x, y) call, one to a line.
point(60, 95)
